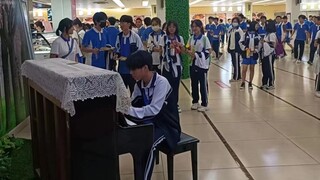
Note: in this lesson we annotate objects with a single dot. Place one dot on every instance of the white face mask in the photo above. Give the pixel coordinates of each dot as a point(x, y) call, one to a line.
point(155, 28)
point(235, 24)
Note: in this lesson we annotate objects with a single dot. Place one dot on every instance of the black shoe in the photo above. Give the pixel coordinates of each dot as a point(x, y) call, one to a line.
point(243, 85)
point(250, 85)
point(310, 63)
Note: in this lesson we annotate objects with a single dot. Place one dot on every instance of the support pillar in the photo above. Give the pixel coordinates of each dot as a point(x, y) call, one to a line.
point(293, 9)
point(62, 9)
point(161, 11)
point(178, 10)
point(247, 10)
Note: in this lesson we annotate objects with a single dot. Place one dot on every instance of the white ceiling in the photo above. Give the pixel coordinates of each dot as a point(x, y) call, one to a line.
point(138, 3)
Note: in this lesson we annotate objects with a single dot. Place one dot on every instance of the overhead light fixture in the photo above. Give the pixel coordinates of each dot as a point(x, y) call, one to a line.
point(89, 12)
point(217, 2)
point(81, 13)
point(239, 8)
point(239, 2)
point(119, 3)
point(278, 2)
point(145, 3)
point(195, 2)
point(215, 9)
point(230, 9)
point(258, 2)
point(312, 6)
point(223, 8)
point(304, 7)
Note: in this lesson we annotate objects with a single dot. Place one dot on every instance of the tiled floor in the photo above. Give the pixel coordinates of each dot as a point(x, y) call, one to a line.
point(275, 134)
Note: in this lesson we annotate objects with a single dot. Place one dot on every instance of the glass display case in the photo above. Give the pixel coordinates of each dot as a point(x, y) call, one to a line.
point(42, 44)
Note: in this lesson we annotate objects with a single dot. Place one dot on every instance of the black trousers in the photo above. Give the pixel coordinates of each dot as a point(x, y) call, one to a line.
point(235, 58)
point(268, 70)
point(215, 47)
point(312, 52)
point(298, 44)
point(318, 82)
point(174, 83)
point(128, 81)
point(199, 76)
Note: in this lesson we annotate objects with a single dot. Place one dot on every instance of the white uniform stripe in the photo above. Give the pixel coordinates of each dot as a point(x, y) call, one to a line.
point(150, 158)
point(271, 70)
point(237, 67)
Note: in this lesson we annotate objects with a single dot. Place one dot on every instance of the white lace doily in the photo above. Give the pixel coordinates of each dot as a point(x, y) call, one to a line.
point(68, 82)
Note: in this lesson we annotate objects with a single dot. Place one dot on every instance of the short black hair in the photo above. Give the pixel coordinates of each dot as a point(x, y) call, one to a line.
point(241, 16)
point(278, 17)
point(147, 21)
point(164, 25)
point(285, 17)
point(199, 24)
point(216, 18)
point(235, 18)
point(221, 20)
point(252, 26)
point(127, 19)
point(139, 19)
point(139, 59)
point(112, 20)
point(39, 24)
point(271, 26)
point(302, 16)
point(318, 18)
point(77, 22)
point(157, 20)
point(174, 24)
point(210, 17)
point(98, 17)
point(263, 17)
point(64, 26)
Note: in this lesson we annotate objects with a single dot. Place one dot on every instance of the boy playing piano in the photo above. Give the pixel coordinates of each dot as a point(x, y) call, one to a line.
point(152, 103)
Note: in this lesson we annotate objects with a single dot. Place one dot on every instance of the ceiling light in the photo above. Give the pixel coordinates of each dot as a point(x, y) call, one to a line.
point(119, 3)
point(223, 8)
point(319, 6)
point(195, 2)
point(312, 6)
point(81, 13)
point(215, 9)
point(238, 2)
point(230, 9)
point(304, 7)
point(89, 12)
point(217, 2)
point(278, 2)
point(239, 8)
point(261, 1)
point(145, 3)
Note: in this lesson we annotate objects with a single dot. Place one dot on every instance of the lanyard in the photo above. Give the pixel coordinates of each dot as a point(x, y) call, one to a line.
point(197, 38)
point(67, 41)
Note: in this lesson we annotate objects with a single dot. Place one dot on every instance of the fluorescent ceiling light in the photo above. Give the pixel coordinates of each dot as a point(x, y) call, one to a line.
point(223, 8)
point(278, 2)
point(119, 3)
point(217, 2)
point(230, 9)
point(304, 6)
point(145, 3)
point(195, 2)
point(239, 2)
point(215, 9)
point(89, 12)
point(80, 13)
point(258, 2)
point(319, 6)
point(239, 8)
point(312, 6)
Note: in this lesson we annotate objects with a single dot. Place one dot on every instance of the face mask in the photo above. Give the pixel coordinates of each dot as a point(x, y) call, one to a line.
point(155, 28)
point(235, 24)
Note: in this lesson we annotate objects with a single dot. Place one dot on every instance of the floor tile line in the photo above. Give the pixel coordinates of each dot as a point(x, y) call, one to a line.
point(294, 73)
point(291, 104)
point(276, 166)
point(224, 141)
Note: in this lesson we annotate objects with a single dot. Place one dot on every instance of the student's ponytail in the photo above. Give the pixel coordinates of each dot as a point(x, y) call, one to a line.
point(64, 25)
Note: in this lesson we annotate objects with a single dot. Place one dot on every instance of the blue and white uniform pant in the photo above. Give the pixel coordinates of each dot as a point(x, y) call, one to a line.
point(268, 70)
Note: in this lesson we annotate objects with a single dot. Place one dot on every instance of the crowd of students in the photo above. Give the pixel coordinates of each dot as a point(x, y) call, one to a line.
point(149, 59)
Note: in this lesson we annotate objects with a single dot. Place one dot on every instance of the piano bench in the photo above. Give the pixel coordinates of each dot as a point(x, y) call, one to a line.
point(186, 143)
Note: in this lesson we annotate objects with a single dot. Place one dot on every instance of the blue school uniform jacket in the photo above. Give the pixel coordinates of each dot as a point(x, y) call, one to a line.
point(153, 104)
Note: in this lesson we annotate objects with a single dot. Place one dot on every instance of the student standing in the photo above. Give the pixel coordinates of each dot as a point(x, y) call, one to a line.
point(214, 31)
point(313, 32)
point(249, 44)
point(262, 32)
point(243, 23)
point(280, 52)
point(287, 27)
point(94, 41)
point(64, 46)
point(235, 34)
point(127, 43)
point(172, 45)
point(111, 33)
point(224, 30)
point(199, 50)
point(140, 27)
point(302, 34)
point(79, 32)
point(317, 65)
point(152, 104)
point(154, 43)
point(268, 48)
point(147, 31)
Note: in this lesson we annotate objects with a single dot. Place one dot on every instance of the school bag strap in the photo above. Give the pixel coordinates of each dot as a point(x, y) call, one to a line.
point(70, 49)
